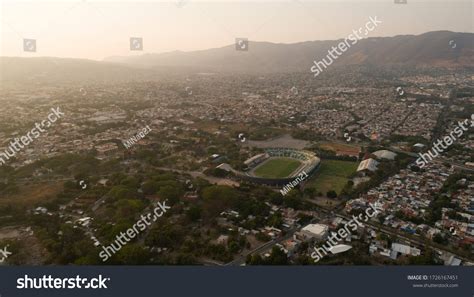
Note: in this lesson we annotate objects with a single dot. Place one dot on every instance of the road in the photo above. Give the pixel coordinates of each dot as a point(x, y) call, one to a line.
point(268, 245)
point(99, 202)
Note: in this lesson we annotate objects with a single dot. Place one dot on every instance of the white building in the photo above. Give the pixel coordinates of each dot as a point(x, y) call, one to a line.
point(340, 248)
point(368, 164)
point(313, 231)
point(405, 249)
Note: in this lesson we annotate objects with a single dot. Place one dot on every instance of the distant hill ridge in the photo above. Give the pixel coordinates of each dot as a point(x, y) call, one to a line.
point(432, 48)
point(443, 49)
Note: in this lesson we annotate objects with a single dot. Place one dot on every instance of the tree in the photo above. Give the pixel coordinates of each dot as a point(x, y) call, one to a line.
point(275, 220)
point(165, 236)
point(170, 193)
point(438, 238)
point(185, 259)
point(122, 192)
point(128, 208)
point(218, 198)
point(254, 260)
point(293, 199)
point(276, 198)
point(427, 259)
point(150, 187)
point(310, 192)
point(194, 213)
point(331, 194)
point(133, 254)
point(233, 247)
point(277, 257)
point(304, 260)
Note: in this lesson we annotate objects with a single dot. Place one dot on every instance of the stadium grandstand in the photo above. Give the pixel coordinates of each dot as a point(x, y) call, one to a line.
point(277, 166)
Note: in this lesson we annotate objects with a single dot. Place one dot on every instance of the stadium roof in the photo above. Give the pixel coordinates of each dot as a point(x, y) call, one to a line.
point(340, 248)
point(385, 154)
point(225, 166)
point(254, 158)
point(368, 164)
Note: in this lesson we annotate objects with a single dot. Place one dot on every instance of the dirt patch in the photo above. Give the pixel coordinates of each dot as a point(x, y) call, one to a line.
point(340, 148)
point(284, 141)
point(9, 232)
point(26, 249)
point(32, 194)
point(326, 202)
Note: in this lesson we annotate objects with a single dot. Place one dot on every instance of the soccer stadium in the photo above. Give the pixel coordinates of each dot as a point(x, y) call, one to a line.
point(279, 166)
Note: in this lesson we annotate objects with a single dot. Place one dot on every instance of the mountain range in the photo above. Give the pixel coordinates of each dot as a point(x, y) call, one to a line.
point(438, 48)
point(443, 49)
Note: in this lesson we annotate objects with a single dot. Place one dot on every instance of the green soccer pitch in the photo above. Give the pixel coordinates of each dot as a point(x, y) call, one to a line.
point(277, 168)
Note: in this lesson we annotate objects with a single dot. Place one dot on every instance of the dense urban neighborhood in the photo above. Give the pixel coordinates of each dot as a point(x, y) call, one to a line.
point(199, 144)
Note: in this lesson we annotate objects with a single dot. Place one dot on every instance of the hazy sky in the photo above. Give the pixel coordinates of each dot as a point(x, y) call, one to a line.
point(101, 28)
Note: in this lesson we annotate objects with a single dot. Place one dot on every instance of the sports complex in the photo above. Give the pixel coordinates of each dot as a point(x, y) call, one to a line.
point(279, 166)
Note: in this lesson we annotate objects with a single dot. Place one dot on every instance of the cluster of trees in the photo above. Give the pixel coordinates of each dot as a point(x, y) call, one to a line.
point(65, 164)
point(8, 187)
point(224, 253)
point(331, 155)
point(7, 180)
point(402, 216)
point(443, 200)
point(277, 257)
point(265, 132)
point(427, 258)
point(309, 135)
point(165, 235)
point(217, 172)
point(17, 248)
point(65, 244)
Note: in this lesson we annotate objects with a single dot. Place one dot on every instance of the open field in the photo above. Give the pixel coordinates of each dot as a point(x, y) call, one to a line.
point(332, 175)
point(277, 168)
point(282, 141)
point(32, 194)
point(325, 202)
point(340, 148)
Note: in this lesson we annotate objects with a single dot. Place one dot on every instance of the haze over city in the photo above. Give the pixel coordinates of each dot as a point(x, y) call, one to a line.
point(335, 135)
point(98, 29)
